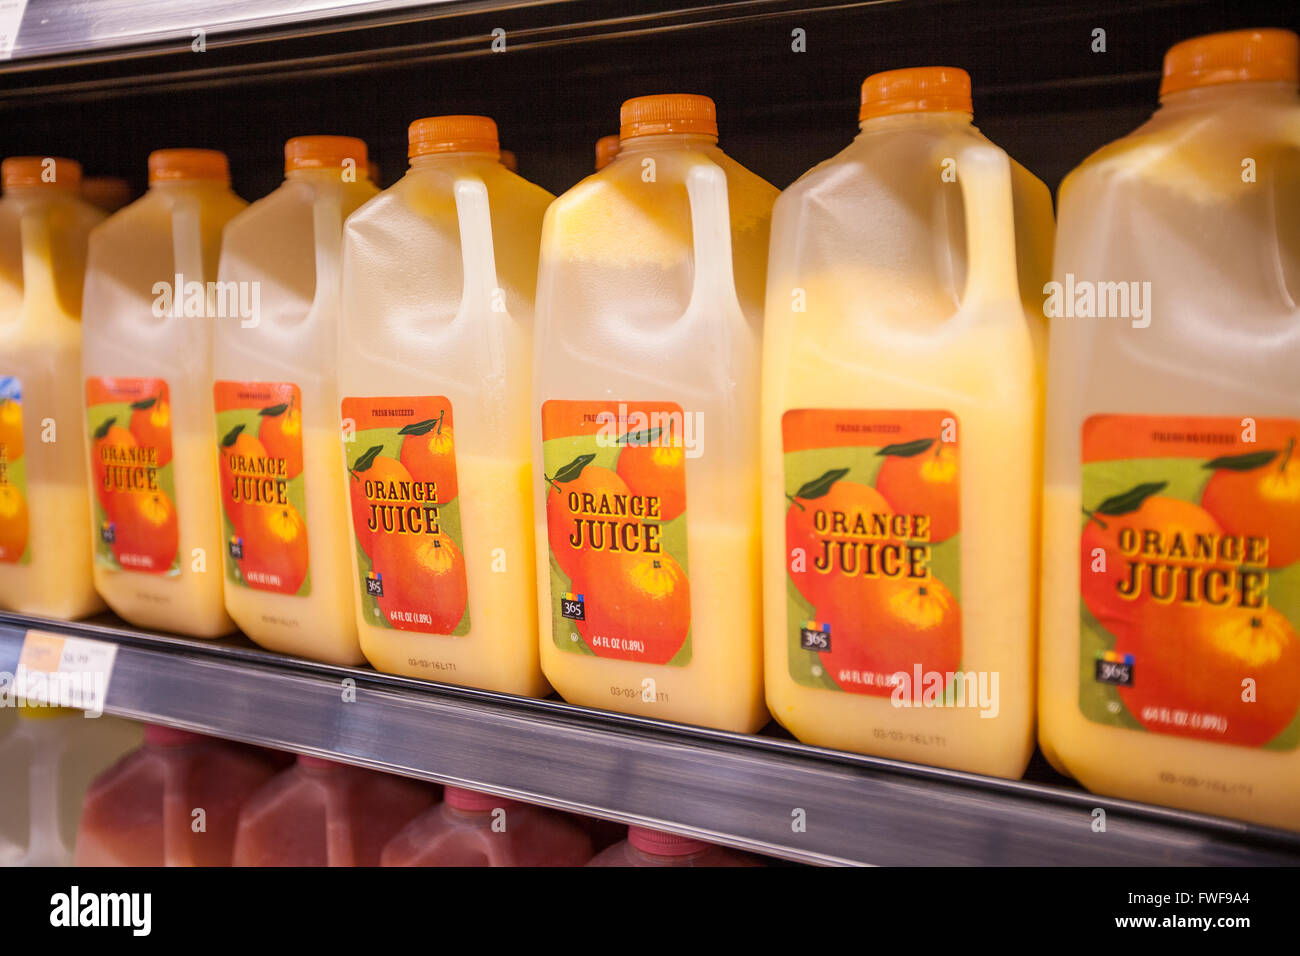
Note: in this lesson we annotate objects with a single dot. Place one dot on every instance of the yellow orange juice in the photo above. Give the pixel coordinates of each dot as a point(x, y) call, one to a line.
point(45, 552)
point(439, 274)
point(1170, 655)
point(288, 572)
point(901, 415)
point(146, 365)
point(646, 392)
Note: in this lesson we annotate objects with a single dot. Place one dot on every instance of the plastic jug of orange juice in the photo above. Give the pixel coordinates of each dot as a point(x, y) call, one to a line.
point(322, 813)
point(1170, 659)
point(470, 828)
point(901, 417)
point(606, 149)
point(646, 382)
point(45, 552)
point(439, 273)
point(50, 757)
point(647, 847)
point(109, 193)
point(146, 810)
point(151, 296)
point(288, 574)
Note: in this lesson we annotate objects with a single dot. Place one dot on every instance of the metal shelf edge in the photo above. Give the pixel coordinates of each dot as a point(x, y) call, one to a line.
point(726, 788)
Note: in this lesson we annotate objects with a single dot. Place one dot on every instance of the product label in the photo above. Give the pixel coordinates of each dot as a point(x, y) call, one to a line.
point(259, 454)
point(406, 514)
point(615, 476)
point(872, 523)
point(1190, 577)
point(131, 467)
point(14, 548)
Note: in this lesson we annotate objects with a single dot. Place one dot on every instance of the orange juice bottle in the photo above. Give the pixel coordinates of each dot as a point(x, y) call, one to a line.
point(646, 383)
point(439, 273)
point(284, 501)
point(109, 193)
point(1170, 657)
point(901, 420)
point(606, 149)
point(150, 297)
point(45, 554)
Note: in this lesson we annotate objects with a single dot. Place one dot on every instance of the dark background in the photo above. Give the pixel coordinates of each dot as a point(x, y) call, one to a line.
point(1040, 92)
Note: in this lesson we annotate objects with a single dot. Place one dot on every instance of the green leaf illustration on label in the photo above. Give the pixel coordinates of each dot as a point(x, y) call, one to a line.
point(818, 487)
point(1130, 500)
point(274, 410)
point(102, 430)
point(1248, 462)
point(907, 449)
point(367, 458)
point(573, 469)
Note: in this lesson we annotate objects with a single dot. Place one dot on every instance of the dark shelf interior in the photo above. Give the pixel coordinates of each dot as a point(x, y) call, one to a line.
point(1040, 91)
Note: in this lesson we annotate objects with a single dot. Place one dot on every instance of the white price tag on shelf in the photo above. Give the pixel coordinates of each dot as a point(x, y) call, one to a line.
point(62, 671)
point(11, 17)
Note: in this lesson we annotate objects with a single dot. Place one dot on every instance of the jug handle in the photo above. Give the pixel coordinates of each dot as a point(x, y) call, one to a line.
point(38, 263)
point(338, 832)
point(45, 840)
point(187, 244)
point(477, 254)
point(715, 276)
point(176, 811)
point(327, 228)
point(984, 174)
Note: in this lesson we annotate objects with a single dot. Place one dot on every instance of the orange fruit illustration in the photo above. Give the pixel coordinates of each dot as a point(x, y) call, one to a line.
point(431, 457)
point(925, 484)
point(275, 548)
point(1158, 513)
point(1195, 660)
point(853, 500)
point(281, 436)
point(560, 520)
point(114, 440)
point(13, 523)
point(145, 531)
point(382, 470)
point(887, 625)
point(423, 574)
point(246, 447)
point(652, 470)
point(635, 597)
point(152, 427)
point(11, 429)
point(1263, 502)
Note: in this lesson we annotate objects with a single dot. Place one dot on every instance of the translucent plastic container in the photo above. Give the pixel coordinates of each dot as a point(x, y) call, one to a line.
point(606, 149)
point(108, 193)
point(439, 273)
point(49, 758)
point(646, 847)
point(646, 385)
point(477, 829)
point(288, 574)
point(45, 548)
point(147, 362)
point(321, 813)
point(901, 420)
point(173, 802)
point(1170, 659)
